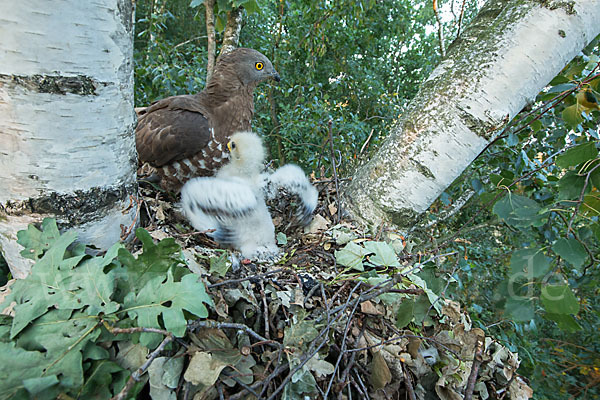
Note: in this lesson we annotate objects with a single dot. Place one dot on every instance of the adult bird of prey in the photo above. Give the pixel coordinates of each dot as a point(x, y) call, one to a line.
point(233, 201)
point(185, 136)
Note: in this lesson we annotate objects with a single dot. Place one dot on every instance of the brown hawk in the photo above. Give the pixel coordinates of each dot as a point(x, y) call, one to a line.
point(186, 136)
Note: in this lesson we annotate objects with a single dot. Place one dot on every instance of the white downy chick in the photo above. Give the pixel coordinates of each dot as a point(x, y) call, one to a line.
point(233, 201)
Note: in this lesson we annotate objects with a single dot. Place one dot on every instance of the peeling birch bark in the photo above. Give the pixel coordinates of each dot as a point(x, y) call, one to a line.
point(67, 148)
point(511, 50)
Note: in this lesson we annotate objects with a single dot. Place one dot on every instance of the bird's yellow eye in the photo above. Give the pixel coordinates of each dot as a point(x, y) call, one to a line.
point(259, 66)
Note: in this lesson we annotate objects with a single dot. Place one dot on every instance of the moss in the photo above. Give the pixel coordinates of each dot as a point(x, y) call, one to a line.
point(568, 6)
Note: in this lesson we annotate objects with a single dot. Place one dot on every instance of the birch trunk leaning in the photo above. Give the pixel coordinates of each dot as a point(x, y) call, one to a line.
point(510, 51)
point(67, 147)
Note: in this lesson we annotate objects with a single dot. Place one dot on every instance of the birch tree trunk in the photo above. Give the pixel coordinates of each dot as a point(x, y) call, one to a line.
point(511, 50)
point(211, 47)
point(233, 28)
point(67, 148)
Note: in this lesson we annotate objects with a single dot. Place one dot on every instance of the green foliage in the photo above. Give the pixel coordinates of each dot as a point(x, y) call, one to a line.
point(349, 61)
point(53, 343)
point(532, 271)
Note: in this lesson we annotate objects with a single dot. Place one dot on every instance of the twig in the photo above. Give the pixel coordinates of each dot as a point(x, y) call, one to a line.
point(474, 371)
point(234, 281)
point(135, 376)
point(580, 200)
point(460, 18)
point(189, 40)
point(229, 325)
point(209, 6)
point(409, 385)
point(116, 331)
point(440, 29)
point(337, 189)
point(265, 309)
point(366, 142)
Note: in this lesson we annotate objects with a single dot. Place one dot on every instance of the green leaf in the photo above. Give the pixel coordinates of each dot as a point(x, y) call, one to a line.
point(168, 299)
point(571, 250)
point(62, 335)
point(530, 263)
point(559, 299)
point(570, 186)
point(519, 308)
point(219, 265)
point(300, 335)
point(38, 385)
point(196, 3)
point(577, 155)
point(383, 254)
point(519, 211)
point(99, 380)
point(155, 261)
point(595, 177)
point(251, 6)
point(591, 205)
point(351, 256)
point(24, 365)
point(567, 323)
point(48, 285)
point(36, 242)
point(281, 238)
point(404, 313)
point(572, 116)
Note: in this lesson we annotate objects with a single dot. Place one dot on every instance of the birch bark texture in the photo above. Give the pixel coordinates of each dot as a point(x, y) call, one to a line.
point(510, 51)
point(67, 148)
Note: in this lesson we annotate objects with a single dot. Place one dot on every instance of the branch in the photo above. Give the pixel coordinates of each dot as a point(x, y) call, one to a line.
point(440, 29)
point(135, 377)
point(474, 370)
point(210, 34)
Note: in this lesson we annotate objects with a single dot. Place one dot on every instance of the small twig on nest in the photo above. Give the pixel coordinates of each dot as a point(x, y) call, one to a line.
point(116, 331)
point(228, 325)
point(234, 281)
point(135, 377)
point(474, 370)
point(265, 309)
point(409, 385)
point(335, 177)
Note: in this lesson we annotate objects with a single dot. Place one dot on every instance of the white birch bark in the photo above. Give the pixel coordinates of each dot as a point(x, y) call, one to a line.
point(67, 148)
point(502, 61)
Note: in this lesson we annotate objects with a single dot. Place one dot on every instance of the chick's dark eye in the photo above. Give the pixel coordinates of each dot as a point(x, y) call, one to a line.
point(233, 145)
point(259, 66)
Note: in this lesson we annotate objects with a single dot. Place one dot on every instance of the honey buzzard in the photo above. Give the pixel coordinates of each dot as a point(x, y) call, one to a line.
point(185, 136)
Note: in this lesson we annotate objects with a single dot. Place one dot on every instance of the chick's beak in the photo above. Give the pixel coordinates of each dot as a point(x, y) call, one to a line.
point(229, 146)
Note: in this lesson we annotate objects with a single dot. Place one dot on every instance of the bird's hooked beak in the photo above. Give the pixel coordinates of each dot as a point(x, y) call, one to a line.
point(276, 76)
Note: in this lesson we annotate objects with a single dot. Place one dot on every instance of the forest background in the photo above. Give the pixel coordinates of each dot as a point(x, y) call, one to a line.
point(359, 63)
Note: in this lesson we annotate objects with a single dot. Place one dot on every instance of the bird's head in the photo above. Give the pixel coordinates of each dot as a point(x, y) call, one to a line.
point(250, 66)
point(247, 151)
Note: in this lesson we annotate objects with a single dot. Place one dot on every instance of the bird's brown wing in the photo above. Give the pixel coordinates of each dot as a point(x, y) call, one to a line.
point(172, 129)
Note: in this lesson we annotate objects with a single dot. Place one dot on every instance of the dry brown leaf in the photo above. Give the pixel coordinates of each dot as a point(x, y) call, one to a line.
point(380, 373)
point(368, 307)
